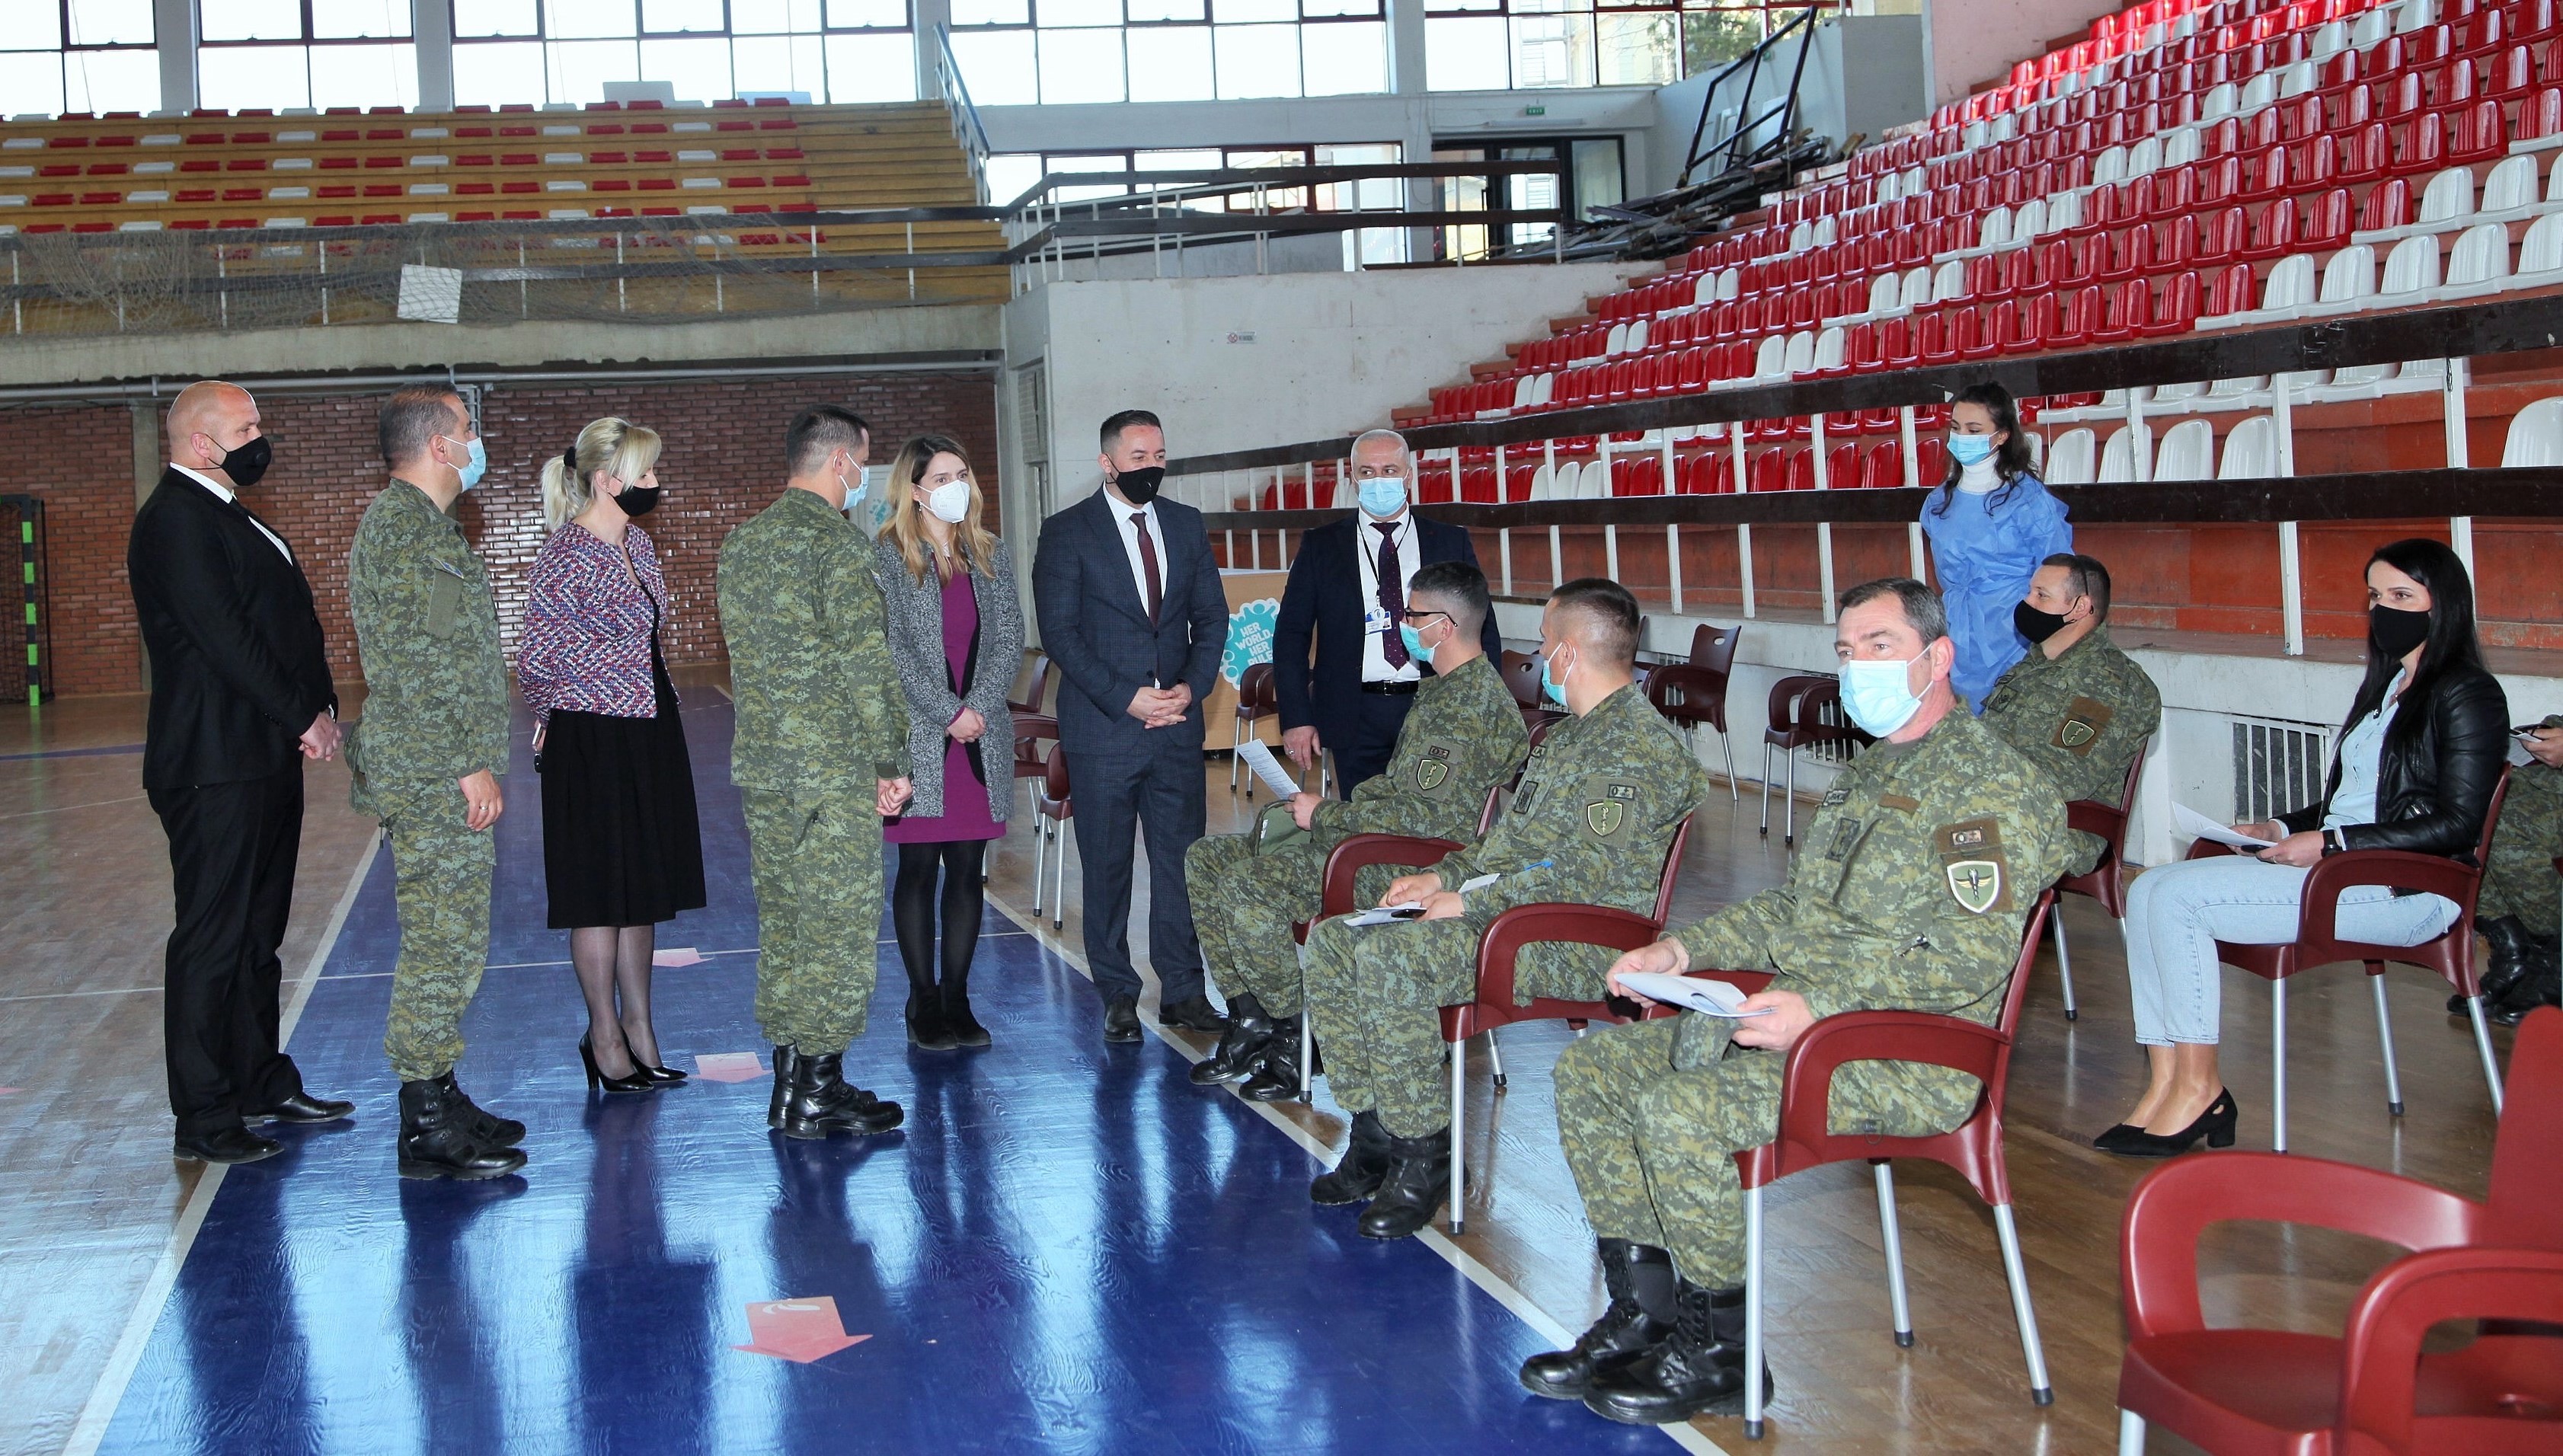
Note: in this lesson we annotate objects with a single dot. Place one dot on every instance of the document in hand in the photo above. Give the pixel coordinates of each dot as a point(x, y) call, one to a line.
point(1386, 914)
point(1716, 997)
point(2190, 821)
point(1267, 767)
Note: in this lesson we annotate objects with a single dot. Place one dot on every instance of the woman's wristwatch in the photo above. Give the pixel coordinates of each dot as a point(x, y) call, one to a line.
point(2336, 840)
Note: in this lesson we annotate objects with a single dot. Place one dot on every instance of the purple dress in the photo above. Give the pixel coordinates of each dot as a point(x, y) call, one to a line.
point(965, 789)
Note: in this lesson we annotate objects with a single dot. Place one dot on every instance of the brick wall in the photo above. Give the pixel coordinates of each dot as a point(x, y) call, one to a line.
point(721, 464)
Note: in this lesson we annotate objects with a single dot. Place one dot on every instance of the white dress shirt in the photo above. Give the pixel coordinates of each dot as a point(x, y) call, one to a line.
point(1375, 667)
point(1130, 543)
point(225, 492)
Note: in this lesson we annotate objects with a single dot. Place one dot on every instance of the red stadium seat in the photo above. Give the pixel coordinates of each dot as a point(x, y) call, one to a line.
point(2367, 153)
point(1882, 467)
point(2388, 204)
point(2130, 311)
point(2424, 148)
point(1801, 470)
point(2131, 254)
point(2222, 234)
point(2176, 313)
point(2232, 291)
point(2478, 134)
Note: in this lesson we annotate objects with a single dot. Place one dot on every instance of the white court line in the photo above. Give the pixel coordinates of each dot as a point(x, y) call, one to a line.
point(108, 1392)
point(1682, 1434)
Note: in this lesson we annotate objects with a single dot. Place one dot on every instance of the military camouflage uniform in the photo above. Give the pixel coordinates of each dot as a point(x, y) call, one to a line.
point(2520, 879)
point(436, 711)
point(1599, 802)
point(821, 718)
point(1464, 736)
point(2082, 718)
point(1910, 894)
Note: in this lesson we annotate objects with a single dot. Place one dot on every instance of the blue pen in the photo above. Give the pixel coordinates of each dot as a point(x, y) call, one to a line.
point(1538, 865)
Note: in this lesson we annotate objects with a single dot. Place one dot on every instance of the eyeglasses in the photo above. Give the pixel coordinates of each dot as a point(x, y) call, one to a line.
point(1418, 619)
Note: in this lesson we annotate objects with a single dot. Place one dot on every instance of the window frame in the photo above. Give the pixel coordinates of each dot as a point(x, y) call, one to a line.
point(728, 34)
point(1210, 25)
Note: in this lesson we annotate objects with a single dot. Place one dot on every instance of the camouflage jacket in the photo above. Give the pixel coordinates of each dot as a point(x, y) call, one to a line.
point(427, 629)
point(2520, 879)
point(819, 709)
point(2082, 718)
point(1464, 736)
point(1916, 879)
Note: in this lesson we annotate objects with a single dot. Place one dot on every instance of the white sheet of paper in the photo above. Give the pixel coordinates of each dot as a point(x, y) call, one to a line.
point(1387, 914)
point(1480, 884)
point(1715, 997)
point(1267, 767)
point(2190, 821)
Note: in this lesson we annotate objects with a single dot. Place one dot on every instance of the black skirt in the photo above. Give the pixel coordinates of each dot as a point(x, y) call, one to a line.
point(621, 845)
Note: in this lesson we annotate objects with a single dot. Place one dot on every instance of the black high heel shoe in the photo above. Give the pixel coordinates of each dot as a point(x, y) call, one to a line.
point(2216, 1125)
point(639, 1081)
point(663, 1076)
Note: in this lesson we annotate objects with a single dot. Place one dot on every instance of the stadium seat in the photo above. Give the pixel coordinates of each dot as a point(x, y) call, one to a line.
point(2479, 266)
point(2250, 450)
point(2069, 459)
point(2127, 457)
point(2188, 453)
point(2411, 273)
point(2535, 436)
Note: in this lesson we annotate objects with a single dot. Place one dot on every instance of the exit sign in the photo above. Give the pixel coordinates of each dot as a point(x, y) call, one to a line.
point(1535, 110)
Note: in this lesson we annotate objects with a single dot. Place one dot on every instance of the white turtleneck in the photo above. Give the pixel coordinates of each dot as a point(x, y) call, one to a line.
point(1979, 479)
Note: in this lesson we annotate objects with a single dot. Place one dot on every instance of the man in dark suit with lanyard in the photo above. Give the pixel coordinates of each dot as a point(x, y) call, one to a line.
point(239, 697)
point(1132, 610)
point(1347, 588)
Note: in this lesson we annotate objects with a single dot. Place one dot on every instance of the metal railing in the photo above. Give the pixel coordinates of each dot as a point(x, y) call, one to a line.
point(955, 91)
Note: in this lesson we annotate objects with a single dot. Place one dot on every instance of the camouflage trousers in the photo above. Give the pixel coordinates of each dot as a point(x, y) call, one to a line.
point(2521, 881)
point(1653, 1146)
point(441, 871)
point(817, 862)
point(1245, 903)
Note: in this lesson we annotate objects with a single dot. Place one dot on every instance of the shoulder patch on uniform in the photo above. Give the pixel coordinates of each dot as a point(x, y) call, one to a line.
point(1968, 835)
point(1836, 798)
point(1899, 801)
point(1604, 817)
point(1625, 793)
point(2085, 719)
point(1432, 774)
point(1976, 885)
point(1608, 806)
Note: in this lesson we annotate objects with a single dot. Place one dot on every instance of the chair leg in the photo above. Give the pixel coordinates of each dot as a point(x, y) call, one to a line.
point(2385, 1034)
point(1041, 861)
point(1894, 1239)
point(1459, 1123)
point(1495, 1059)
point(2039, 1391)
point(1727, 740)
point(1766, 788)
point(2063, 962)
point(1059, 880)
point(2279, 1065)
point(2131, 1434)
point(1789, 806)
point(2482, 1043)
point(1308, 1053)
point(1753, 1314)
point(1235, 741)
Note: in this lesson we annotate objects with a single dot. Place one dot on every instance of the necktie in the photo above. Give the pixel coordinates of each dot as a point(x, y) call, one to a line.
point(1148, 562)
point(1392, 593)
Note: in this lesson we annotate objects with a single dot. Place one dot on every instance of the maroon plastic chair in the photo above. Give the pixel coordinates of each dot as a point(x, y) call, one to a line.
point(1521, 672)
point(1798, 717)
point(2452, 955)
point(1256, 701)
point(1032, 728)
point(2107, 881)
point(1696, 691)
point(1052, 808)
point(1973, 1150)
point(2246, 1393)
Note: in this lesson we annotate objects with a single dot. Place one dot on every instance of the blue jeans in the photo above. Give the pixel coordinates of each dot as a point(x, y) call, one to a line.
point(2176, 914)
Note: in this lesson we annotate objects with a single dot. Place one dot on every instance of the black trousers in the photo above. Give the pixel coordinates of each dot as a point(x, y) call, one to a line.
point(1155, 784)
point(232, 852)
point(1378, 717)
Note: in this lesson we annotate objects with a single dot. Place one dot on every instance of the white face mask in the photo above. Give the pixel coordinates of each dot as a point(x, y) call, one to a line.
point(949, 501)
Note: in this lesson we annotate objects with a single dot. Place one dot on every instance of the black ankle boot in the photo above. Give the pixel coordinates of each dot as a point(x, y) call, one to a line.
point(1357, 1173)
point(487, 1128)
point(925, 1029)
point(1277, 1071)
point(2538, 985)
point(436, 1140)
point(1641, 1284)
point(1419, 1179)
point(1249, 1032)
point(2509, 941)
point(821, 1100)
point(958, 1023)
point(784, 1057)
point(1698, 1368)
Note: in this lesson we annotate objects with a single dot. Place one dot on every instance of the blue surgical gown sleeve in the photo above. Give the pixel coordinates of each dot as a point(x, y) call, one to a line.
point(1985, 558)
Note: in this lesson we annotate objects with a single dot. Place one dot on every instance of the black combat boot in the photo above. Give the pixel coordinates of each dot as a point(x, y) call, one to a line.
point(2540, 983)
point(436, 1139)
point(821, 1100)
point(487, 1128)
point(1418, 1179)
point(1249, 1032)
point(784, 1057)
point(1698, 1368)
point(2508, 938)
point(1357, 1173)
point(1277, 1073)
point(1640, 1281)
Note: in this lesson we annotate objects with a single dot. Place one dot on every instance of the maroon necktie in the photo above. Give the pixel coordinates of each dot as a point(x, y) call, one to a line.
point(1392, 595)
point(1148, 561)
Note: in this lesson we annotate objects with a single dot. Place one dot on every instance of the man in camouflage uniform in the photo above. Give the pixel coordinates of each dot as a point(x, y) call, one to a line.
point(2520, 909)
point(1911, 894)
point(820, 757)
point(2075, 705)
point(427, 760)
point(1599, 802)
point(1462, 737)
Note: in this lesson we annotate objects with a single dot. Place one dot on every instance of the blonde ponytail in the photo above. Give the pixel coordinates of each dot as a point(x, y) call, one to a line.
point(620, 449)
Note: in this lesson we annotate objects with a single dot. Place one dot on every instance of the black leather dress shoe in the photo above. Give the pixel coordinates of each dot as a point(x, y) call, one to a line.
point(226, 1145)
point(1121, 1018)
point(303, 1107)
point(1193, 1014)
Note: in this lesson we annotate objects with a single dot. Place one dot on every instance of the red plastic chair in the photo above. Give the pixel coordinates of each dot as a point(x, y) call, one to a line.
point(1692, 692)
point(2245, 1392)
point(2105, 883)
point(1032, 727)
point(2452, 955)
point(1053, 808)
point(1973, 1150)
point(1796, 718)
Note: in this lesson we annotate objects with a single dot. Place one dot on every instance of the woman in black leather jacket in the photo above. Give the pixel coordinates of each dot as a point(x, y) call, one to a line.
point(2423, 745)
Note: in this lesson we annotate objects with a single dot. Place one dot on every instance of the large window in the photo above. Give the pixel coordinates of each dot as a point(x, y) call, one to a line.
point(304, 52)
point(1503, 45)
point(94, 56)
point(566, 51)
point(1019, 52)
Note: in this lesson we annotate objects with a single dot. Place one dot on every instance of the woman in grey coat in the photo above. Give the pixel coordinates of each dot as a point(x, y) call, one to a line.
point(957, 635)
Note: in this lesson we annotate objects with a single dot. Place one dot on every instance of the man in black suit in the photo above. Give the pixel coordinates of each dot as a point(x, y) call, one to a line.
point(1348, 587)
point(239, 697)
point(1132, 610)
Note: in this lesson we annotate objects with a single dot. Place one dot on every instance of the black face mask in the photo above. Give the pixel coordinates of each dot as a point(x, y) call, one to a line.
point(2034, 625)
point(2396, 632)
point(639, 500)
point(246, 464)
point(1139, 487)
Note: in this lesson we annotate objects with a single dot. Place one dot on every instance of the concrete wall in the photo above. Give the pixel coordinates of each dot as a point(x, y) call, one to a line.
point(1972, 42)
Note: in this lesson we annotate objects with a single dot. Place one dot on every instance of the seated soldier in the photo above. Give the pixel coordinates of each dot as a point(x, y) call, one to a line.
point(1598, 806)
point(2076, 705)
point(2518, 911)
point(1910, 894)
point(1462, 737)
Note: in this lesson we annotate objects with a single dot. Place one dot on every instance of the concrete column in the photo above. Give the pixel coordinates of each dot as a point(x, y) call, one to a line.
point(173, 22)
point(928, 15)
point(1406, 47)
point(432, 22)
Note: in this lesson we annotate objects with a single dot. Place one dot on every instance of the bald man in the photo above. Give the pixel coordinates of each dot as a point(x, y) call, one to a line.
point(241, 698)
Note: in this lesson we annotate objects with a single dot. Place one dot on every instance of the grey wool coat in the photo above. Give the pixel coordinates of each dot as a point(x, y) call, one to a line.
point(915, 613)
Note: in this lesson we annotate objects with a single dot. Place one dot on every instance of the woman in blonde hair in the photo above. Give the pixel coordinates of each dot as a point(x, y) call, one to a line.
point(957, 632)
point(621, 846)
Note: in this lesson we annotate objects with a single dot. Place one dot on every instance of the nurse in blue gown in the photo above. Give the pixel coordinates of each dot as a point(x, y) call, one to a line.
point(1991, 522)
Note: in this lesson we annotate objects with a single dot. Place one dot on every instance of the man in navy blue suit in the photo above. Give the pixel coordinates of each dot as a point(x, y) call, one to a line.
point(1347, 588)
point(1132, 610)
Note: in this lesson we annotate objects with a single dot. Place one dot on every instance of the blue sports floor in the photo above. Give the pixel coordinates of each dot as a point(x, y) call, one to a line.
point(1069, 1248)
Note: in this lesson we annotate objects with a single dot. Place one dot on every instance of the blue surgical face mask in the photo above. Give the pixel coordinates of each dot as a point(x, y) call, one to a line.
point(471, 469)
point(855, 485)
point(1415, 647)
point(1876, 695)
point(1549, 687)
point(1383, 495)
point(1970, 449)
